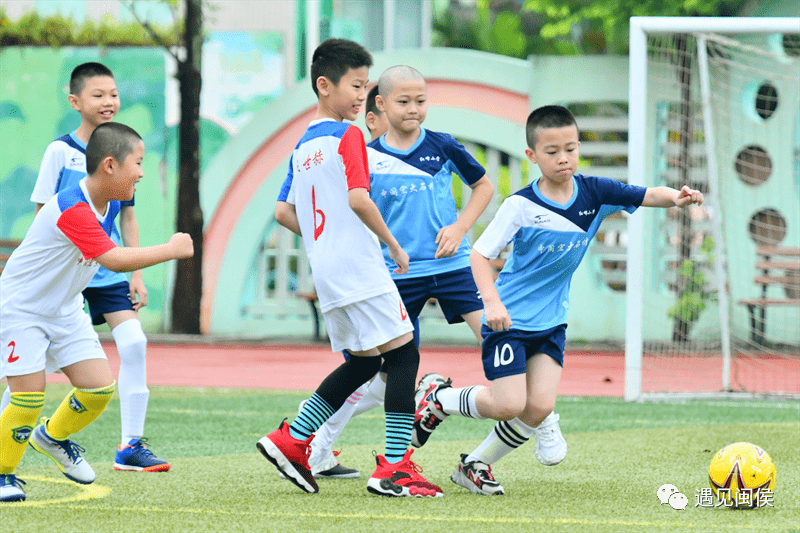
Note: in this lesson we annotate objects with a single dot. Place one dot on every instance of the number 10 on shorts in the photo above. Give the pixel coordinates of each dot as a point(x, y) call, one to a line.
point(503, 356)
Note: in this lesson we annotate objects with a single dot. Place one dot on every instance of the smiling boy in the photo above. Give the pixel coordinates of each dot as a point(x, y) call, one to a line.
point(43, 327)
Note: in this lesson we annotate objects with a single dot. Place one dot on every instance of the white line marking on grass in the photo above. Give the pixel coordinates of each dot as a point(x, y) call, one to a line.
point(87, 492)
point(430, 518)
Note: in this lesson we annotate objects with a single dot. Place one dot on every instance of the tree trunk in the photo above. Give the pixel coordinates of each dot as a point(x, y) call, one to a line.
point(188, 288)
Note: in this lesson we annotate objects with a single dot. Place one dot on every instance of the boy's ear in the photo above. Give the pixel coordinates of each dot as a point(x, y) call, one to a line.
point(73, 101)
point(379, 103)
point(531, 155)
point(323, 85)
point(108, 164)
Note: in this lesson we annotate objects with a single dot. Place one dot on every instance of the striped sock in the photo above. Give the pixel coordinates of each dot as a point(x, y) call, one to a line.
point(78, 410)
point(314, 413)
point(506, 436)
point(16, 425)
point(398, 435)
point(460, 401)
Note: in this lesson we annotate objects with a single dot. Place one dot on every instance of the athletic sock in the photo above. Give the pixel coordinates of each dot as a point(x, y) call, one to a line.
point(460, 401)
point(314, 413)
point(132, 381)
point(16, 425)
point(78, 410)
point(373, 397)
point(401, 372)
point(328, 432)
point(506, 436)
point(5, 400)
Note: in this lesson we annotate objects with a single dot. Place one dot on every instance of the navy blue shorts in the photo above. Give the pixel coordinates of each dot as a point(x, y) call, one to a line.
point(109, 299)
point(506, 353)
point(455, 291)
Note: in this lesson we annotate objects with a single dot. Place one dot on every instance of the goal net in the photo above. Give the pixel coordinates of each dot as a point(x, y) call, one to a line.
point(714, 290)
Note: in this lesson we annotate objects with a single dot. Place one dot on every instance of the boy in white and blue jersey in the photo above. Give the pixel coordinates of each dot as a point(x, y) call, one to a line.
point(111, 298)
point(550, 224)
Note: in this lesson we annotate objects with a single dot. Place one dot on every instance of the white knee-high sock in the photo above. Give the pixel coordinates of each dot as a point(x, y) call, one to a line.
point(132, 380)
point(6, 399)
point(506, 436)
point(328, 432)
point(373, 397)
point(460, 401)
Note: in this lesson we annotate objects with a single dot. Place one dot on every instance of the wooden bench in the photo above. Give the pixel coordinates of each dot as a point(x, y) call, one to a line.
point(6, 247)
point(778, 267)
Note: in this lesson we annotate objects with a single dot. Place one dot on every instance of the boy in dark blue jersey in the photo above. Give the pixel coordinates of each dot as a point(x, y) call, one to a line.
point(550, 223)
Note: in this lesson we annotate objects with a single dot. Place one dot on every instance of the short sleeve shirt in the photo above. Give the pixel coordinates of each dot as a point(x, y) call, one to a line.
point(345, 256)
point(549, 241)
point(45, 275)
point(413, 191)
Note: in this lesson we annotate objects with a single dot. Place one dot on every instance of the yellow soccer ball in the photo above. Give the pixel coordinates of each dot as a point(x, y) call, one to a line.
point(742, 475)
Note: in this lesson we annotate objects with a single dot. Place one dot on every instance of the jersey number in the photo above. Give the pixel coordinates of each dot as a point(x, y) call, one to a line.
point(317, 229)
point(12, 357)
point(503, 357)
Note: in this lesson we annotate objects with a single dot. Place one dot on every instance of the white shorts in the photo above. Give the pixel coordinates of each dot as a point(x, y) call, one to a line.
point(364, 325)
point(30, 344)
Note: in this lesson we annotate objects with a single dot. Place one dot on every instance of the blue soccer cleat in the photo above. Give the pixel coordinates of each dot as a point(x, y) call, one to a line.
point(11, 488)
point(135, 457)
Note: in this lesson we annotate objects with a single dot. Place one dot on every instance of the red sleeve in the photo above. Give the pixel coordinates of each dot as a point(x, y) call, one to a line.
point(354, 155)
point(80, 225)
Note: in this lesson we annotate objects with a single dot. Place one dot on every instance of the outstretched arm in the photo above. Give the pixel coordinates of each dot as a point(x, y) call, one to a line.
point(286, 216)
point(450, 237)
point(124, 259)
point(368, 212)
point(669, 197)
point(130, 238)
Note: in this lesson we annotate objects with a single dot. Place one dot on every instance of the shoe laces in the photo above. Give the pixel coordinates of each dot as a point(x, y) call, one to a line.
point(72, 449)
point(547, 434)
point(483, 470)
point(11, 479)
point(141, 446)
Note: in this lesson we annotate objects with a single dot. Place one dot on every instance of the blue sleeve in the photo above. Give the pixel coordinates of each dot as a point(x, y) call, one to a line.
point(616, 193)
point(463, 164)
point(283, 195)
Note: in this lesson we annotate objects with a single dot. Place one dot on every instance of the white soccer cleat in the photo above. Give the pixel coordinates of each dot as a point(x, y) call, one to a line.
point(550, 448)
point(476, 477)
point(11, 488)
point(64, 453)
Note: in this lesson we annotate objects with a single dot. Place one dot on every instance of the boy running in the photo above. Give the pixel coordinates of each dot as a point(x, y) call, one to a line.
point(112, 299)
point(43, 327)
point(550, 223)
point(325, 198)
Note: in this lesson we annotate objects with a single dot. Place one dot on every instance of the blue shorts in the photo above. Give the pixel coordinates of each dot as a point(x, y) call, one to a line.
point(455, 291)
point(109, 299)
point(506, 353)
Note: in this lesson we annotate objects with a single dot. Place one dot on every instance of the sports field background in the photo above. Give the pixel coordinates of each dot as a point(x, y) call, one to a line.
point(619, 454)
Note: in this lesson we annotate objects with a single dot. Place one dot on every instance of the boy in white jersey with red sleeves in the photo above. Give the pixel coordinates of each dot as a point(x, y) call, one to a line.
point(550, 223)
point(42, 322)
point(111, 298)
point(325, 198)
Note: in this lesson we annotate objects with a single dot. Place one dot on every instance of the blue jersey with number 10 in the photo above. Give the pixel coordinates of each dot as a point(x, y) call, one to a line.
point(413, 191)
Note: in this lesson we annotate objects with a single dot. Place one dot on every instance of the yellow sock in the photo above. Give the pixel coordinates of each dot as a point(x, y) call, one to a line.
point(78, 410)
point(16, 425)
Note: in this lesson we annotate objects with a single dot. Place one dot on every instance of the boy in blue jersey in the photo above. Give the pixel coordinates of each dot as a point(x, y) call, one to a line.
point(325, 199)
point(42, 322)
point(550, 223)
point(112, 299)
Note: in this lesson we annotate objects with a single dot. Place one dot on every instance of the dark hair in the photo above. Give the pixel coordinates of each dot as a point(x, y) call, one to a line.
point(370, 105)
point(549, 116)
point(333, 58)
point(84, 71)
point(110, 139)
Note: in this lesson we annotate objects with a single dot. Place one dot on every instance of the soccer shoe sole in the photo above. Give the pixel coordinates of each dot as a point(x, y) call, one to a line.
point(284, 466)
point(76, 480)
point(154, 468)
point(461, 480)
point(15, 496)
point(385, 487)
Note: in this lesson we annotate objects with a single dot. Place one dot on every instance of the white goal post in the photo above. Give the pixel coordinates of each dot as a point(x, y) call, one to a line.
point(697, 132)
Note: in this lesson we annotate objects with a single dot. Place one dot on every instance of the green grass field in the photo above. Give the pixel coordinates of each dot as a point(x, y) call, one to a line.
point(619, 455)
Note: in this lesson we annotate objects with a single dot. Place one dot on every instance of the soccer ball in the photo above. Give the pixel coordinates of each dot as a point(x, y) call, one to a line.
point(739, 473)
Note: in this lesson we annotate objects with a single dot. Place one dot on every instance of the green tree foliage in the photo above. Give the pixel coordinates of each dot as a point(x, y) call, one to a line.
point(519, 28)
point(55, 30)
